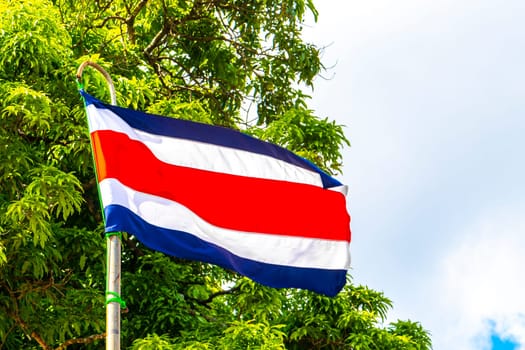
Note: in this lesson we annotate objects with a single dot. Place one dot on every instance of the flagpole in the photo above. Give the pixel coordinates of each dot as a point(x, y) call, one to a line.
point(113, 286)
point(113, 300)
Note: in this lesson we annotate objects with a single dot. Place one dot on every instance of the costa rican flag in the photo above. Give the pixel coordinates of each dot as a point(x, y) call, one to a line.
point(212, 194)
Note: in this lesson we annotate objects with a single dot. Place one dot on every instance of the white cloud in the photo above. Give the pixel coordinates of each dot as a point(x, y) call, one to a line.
point(481, 279)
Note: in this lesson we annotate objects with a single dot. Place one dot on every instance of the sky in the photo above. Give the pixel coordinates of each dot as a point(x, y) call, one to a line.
point(432, 94)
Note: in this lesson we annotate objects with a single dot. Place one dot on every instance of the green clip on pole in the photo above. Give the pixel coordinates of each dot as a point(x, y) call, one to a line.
point(113, 300)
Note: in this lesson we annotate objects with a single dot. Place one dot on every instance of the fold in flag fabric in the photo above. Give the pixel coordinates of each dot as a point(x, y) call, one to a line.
point(216, 195)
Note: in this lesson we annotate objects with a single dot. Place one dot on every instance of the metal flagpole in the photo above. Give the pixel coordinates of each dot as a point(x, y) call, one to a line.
point(113, 286)
point(113, 300)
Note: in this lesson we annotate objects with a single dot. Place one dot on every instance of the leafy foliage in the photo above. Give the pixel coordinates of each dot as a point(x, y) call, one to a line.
point(236, 63)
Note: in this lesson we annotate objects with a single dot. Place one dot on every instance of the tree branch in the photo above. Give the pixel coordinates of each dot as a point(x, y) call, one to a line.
point(130, 21)
point(84, 340)
point(32, 334)
point(219, 293)
point(105, 20)
point(137, 9)
point(155, 42)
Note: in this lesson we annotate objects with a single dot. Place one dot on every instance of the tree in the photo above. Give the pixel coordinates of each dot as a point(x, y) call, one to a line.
point(236, 63)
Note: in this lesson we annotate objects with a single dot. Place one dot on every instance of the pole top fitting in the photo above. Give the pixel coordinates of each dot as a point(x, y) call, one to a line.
point(106, 75)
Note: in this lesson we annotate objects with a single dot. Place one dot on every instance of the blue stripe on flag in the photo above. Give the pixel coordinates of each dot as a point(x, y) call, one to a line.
point(187, 246)
point(216, 135)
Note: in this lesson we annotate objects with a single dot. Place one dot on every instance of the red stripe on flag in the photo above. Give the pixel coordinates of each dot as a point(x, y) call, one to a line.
point(224, 200)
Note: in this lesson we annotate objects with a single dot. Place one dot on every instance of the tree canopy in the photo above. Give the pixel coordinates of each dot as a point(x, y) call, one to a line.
point(237, 63)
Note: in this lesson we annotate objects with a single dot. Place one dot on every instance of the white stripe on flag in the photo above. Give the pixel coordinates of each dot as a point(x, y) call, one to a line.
point(204, 156)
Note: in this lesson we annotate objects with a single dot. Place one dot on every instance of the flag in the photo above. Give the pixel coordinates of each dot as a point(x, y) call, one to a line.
point(216, 195)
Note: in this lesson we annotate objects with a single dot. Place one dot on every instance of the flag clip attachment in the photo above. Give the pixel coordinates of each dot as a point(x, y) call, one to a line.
point(117, 233)
point(115, 298)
